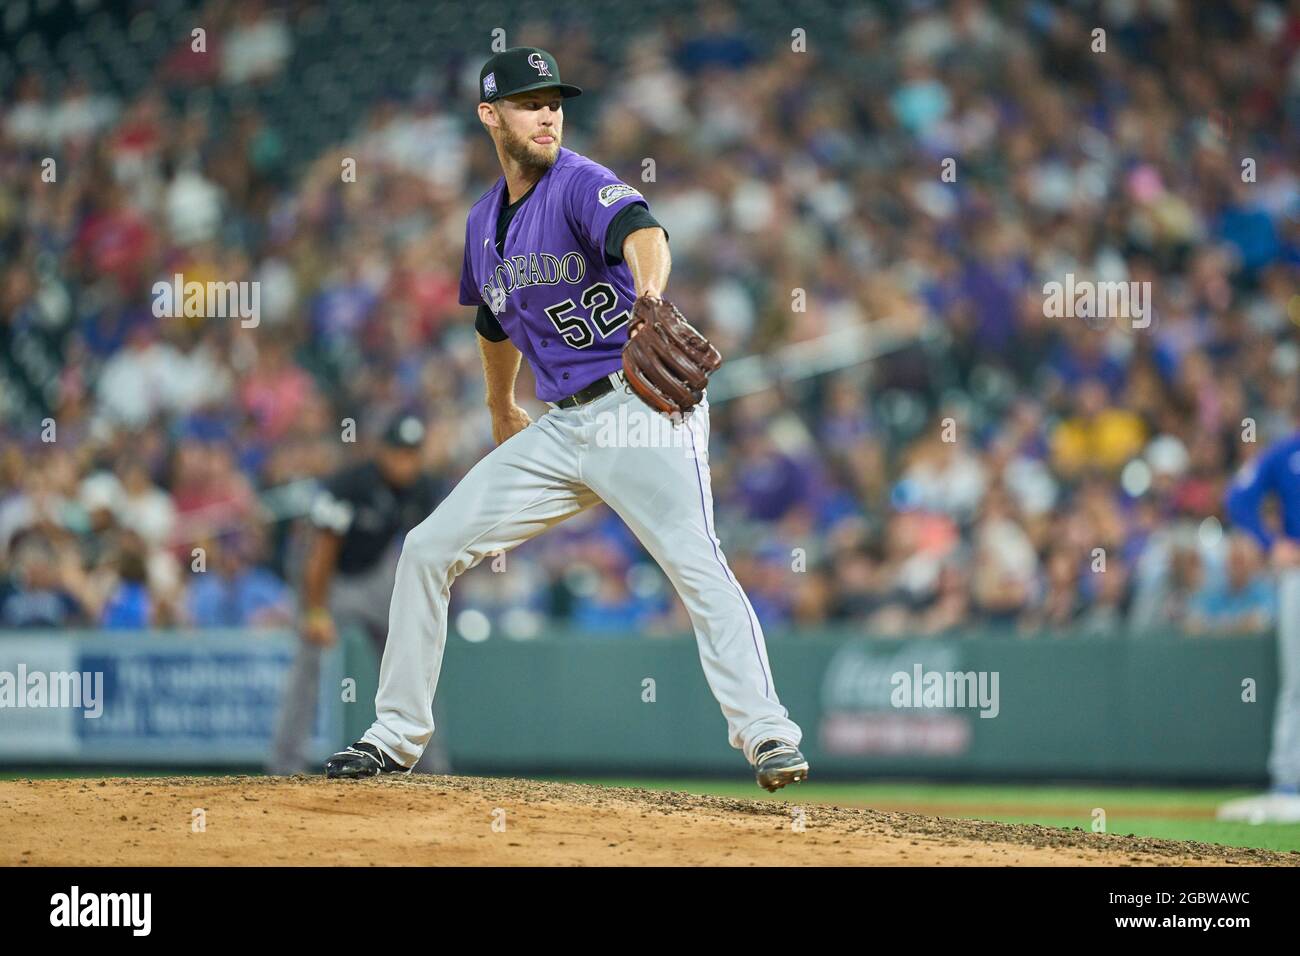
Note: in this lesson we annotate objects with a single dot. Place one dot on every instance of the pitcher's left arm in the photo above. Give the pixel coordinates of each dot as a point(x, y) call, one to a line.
point(646, 254)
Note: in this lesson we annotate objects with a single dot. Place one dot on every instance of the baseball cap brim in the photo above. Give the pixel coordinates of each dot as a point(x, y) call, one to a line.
point(566, 90)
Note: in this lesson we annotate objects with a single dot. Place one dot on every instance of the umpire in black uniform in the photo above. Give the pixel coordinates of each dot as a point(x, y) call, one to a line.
point(358, 518)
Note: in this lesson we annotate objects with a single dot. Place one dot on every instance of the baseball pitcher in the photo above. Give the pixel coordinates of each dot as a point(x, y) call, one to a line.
point(567, 269)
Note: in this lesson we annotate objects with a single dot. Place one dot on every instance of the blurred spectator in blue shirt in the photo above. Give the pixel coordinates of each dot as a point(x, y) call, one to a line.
point(720, 44)
point(232, 592)
point(1244, 603)
point(38, 595)
point(128, 606)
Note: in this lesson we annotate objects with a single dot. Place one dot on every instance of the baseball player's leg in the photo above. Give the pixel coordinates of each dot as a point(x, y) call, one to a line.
point(664, 496)
point(369, 604)
point(353, 600)
point(297, 708)
point(522, 487)
point(1284, 755)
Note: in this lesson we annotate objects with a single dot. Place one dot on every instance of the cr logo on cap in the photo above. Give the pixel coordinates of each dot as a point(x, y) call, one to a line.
point(490, 84)
point(536, 61)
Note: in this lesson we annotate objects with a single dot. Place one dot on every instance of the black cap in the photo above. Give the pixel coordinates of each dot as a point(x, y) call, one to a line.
point(404, 431)
point(518, 70)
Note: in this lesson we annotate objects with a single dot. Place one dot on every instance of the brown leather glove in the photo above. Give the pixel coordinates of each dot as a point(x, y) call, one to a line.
point(666, 361)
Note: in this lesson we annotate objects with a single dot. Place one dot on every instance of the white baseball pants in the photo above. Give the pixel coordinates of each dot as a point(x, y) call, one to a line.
point(565, 462)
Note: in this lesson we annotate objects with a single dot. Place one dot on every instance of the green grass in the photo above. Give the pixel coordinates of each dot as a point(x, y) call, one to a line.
point(1266, 836)
point(1129, 810)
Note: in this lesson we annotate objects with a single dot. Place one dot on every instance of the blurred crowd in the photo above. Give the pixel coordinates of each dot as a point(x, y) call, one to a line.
point(998, 470)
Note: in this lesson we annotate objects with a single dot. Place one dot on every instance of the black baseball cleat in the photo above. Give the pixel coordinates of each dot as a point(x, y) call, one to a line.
point(361, 760)
point(777, 763)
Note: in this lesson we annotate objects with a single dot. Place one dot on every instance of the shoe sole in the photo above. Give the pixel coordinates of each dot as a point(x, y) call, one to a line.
point(366, 776)
point(781, 778)
point(349, 774)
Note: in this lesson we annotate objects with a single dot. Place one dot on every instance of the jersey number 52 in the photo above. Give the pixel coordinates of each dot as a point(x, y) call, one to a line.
point(579, 332)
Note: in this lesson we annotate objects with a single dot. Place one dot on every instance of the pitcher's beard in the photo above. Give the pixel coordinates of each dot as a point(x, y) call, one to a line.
point(528, 154)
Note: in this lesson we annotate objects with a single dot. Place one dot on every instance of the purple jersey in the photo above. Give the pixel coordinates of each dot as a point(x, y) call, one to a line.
point(563, 307)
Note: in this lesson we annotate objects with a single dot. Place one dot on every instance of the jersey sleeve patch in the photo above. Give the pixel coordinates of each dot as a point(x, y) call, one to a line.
point(612, 193)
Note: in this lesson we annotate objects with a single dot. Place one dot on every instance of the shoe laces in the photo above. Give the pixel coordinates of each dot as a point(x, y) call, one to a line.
point(356, 749)
point(781, 749)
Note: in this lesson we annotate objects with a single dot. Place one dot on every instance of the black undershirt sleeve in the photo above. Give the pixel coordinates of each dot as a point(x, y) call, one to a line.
point(633, 217)
point(488, 326)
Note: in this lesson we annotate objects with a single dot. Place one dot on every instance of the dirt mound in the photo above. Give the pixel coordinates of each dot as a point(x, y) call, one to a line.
point(433, 820)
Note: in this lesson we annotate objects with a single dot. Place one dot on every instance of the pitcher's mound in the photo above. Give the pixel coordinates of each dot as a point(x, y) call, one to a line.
point(432, 820)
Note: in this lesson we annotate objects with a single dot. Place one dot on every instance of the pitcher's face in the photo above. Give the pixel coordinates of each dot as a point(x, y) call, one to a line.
point(532, 127)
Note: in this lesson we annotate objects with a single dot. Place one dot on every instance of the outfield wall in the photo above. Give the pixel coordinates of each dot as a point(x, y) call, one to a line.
point(165, 699)
point(1161, 707)
point(1158, 707)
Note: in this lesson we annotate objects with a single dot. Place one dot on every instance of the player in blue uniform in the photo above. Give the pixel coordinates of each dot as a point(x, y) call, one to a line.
point(1275, 472)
